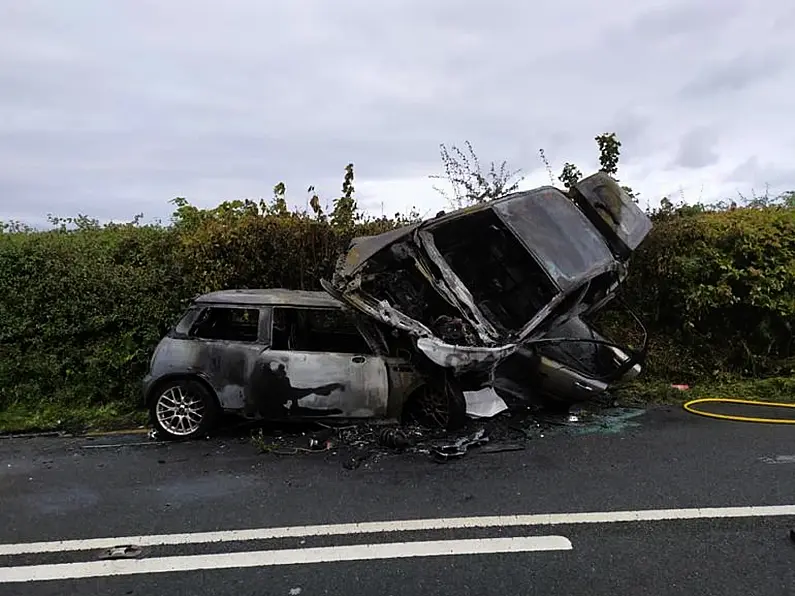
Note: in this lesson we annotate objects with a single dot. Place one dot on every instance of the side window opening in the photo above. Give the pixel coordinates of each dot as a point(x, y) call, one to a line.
point(227, 323)
point(316, 330)
point(185, 322)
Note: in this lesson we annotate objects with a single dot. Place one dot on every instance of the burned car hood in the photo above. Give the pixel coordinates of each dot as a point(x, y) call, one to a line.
point(616, 216)
point(489, 277)
point(364, 247)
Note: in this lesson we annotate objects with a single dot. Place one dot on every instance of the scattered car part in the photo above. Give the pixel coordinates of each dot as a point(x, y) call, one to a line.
point(459, 448)
point(393, 438)
point(484, 403)
point(122, 552)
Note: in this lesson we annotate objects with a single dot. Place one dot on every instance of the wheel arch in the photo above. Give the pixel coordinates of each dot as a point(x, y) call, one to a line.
point(165, 379)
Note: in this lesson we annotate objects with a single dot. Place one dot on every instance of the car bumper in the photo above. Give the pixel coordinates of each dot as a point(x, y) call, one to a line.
point(463, 358)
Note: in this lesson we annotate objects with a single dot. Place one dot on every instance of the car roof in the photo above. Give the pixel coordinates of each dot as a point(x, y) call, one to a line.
point(270, 297)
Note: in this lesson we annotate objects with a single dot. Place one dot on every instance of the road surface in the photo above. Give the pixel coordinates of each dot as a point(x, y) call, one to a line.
point(674, 505)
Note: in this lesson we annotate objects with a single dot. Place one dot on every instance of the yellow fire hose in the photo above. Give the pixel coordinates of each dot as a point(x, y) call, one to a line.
point(726, 400)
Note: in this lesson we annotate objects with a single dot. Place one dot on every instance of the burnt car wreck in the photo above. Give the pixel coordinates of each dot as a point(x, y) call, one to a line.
point(493, 296)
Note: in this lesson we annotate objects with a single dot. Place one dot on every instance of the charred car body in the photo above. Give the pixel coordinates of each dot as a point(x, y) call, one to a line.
point(492, 295)
point(273, 354)
point(504, 285)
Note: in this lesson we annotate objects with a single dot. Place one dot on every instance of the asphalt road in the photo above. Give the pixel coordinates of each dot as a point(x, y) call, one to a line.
point(71, 489)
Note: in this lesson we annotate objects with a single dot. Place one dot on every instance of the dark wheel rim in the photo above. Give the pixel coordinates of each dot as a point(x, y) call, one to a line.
point(431, 407)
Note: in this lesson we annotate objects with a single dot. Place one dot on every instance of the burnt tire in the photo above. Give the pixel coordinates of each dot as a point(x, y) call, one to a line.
point(440, 403)
point(183, 409)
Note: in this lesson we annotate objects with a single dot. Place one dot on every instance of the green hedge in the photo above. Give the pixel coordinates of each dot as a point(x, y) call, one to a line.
point(717, 291)
point(82, 309)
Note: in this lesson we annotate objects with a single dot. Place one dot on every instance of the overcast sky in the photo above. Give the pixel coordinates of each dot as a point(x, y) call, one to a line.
point(113, 107)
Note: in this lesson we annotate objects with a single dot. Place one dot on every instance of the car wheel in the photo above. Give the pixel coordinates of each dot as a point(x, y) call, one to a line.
point(439, 403)
point(183, 409)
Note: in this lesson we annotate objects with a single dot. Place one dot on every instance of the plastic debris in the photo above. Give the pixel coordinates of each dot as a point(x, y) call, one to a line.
point(484, 403)
point(122, 552)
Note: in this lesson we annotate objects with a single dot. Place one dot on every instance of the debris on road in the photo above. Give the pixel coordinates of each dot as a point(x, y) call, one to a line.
point(394, 438)
point(366, 443)
point(122, 552)
point(459, 448)
point(503, 448)
point(484, 403)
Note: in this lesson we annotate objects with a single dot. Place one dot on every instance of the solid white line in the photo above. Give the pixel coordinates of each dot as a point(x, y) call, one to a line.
point(301, 556)
point(542, 519)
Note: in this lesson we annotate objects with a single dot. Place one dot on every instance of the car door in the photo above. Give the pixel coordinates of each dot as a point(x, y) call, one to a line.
point(222, 344)
point(578, 370)
point(318, 364)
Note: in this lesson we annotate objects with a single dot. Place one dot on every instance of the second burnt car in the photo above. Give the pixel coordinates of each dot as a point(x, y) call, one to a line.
point(277, 354)
point(498, 293)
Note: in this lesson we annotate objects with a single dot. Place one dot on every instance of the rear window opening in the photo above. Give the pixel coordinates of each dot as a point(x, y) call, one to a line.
point(507, 283)
point(316, 330)
point(227, 324)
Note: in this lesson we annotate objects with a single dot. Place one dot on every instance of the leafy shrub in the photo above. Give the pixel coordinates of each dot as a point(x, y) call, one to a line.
point(720, 284)
point(83, 308)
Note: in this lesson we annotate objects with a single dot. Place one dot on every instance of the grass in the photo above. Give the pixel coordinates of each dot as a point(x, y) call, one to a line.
point(659, 392)
point(71, 418)
point(78, 418)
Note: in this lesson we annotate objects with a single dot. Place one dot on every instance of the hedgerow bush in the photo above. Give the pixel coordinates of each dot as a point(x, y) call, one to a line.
point(717, 290)
point(81, 310)
point(83, 305)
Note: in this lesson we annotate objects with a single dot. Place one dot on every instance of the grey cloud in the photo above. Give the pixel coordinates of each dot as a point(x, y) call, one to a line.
point(673, 28)
point(735, 74)
point(684, 19)
point(697, 149)
point(129, 104)
point(756, 174)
